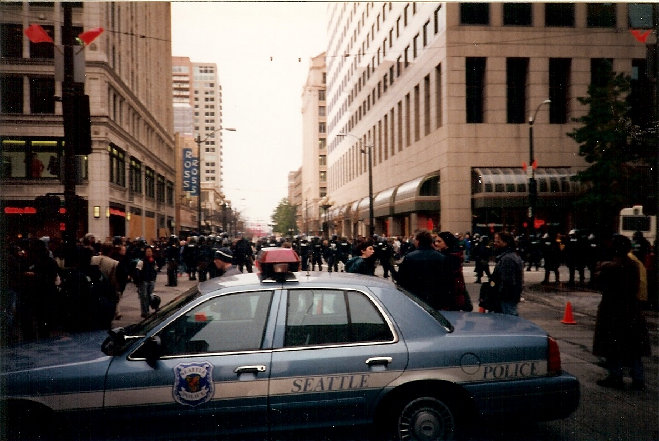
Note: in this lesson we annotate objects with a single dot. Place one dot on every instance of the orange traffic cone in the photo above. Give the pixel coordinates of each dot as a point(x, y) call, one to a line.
point(568, 318)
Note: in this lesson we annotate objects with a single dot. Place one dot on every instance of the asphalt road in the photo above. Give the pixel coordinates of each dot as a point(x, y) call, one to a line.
point(603, 414)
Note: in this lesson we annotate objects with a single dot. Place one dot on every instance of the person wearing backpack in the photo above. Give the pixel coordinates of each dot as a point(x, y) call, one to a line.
point(358, 264)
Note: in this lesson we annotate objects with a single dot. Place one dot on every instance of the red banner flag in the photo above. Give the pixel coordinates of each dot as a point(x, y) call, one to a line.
point(641, 36)
point(37, 34)
point(88, 36)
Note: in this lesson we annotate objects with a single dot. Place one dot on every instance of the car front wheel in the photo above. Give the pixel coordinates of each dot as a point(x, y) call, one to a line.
point(426, 419)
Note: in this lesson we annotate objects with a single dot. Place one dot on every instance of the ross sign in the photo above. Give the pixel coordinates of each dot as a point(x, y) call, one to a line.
point(190, 173)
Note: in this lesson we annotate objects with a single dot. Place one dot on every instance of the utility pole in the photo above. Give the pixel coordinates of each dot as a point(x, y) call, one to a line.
point(68, 93)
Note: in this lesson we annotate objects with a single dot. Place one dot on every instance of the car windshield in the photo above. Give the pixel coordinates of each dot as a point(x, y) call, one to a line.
point(122, 337)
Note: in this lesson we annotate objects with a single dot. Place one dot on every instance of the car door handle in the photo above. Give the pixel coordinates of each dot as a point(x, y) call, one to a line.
point(254, 369)
point(375, 361)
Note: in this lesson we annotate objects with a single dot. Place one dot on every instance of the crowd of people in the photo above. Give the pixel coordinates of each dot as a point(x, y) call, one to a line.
point(46, 293)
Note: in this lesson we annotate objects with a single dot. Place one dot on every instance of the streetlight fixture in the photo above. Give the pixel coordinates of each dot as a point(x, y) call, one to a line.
point(326, 203)
point(533, 185)
point(198, 140)
point(367, 149)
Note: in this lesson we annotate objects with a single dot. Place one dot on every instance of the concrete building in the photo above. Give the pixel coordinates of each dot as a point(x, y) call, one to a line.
point(442, 94)
point(197, 96)
point(295, 196)
point(314, 147)
point(127, 182)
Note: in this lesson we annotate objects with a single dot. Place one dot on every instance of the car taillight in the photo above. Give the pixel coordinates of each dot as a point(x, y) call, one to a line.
point(553, 357)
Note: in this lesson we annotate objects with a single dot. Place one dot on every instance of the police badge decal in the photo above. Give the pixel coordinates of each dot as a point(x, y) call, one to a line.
point(193, 383)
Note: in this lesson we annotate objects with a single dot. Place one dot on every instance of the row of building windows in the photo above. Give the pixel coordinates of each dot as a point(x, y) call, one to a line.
point(377, 58)
point(557, 14)
point(12, 39)
point(153, 186)
point(419, 112)
point(36, 158)
point(403, 61)
point(514, 14)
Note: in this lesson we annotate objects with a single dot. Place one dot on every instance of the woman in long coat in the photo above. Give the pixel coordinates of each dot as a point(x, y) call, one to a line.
point(621, 334)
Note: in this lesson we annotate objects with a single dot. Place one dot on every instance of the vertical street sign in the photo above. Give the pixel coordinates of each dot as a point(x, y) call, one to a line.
point(190, 173)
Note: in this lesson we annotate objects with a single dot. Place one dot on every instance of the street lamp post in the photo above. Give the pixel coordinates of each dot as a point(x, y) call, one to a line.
point(198, 140)
point(367, 149)
point(326, 203)
point(533, 185)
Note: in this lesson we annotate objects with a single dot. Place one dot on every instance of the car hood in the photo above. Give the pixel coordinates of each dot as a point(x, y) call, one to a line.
point(473, 323)
point(62, 350)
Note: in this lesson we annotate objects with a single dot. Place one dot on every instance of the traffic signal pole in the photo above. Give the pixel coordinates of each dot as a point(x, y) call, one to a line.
point(68, 91)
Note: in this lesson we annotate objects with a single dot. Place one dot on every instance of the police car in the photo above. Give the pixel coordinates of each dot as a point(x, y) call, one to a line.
point(258, 355)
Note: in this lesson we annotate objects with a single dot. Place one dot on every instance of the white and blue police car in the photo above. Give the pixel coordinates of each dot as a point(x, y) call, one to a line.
point(254, 356)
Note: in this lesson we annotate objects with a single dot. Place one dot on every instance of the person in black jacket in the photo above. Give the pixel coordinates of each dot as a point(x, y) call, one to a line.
point(425, 273)
point(172, 255)
point(146, 268)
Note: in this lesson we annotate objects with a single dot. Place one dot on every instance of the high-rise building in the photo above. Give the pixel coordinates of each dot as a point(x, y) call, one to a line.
point(314, 147)
point(442, 93)
point(127, 182)
point(197, 96)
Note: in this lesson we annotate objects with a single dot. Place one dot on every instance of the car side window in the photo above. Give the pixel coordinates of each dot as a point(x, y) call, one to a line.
point(325, 316)
point(227, 323)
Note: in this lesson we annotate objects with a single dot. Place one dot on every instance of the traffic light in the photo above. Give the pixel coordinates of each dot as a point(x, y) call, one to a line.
point(77, 123)
point(48, 205)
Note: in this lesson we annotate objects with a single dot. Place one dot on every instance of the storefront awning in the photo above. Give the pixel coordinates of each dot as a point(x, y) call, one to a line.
point(515, 180)
point(362, 209)
point(383, 203)
point(509, 187)
point(419, 194)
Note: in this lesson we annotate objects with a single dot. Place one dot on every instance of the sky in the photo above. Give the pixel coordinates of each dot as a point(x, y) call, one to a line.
point(262, 51)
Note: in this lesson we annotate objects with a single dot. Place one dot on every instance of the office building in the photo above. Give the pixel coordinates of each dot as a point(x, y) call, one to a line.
point(127, 182)
point(197, 97)
point(442, 93)
point(314, 147)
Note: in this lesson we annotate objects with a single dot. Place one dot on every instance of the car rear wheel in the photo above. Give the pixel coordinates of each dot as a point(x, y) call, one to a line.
point(426, 419)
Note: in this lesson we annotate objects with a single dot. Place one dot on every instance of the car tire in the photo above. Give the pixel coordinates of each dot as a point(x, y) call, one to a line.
point(28, 423)
point(425, 418)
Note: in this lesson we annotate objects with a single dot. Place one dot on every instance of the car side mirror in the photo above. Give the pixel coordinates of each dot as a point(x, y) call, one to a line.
point(152, 350)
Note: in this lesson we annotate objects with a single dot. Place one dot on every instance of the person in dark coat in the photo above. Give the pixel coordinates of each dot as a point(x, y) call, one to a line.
point(305, 250)
point(449, 246)
point(508, 274)
point(621, 334)
point(190, 256)
point(481, 255)
point(316, 254)
point(147, 270)
point(172, 255)
point(243, 255)
point(426, 273)
point(357, 264)
point(575, 256)
point(551, 252)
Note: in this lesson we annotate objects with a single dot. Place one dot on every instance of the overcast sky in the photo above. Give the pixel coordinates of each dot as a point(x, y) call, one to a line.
point(262, 51)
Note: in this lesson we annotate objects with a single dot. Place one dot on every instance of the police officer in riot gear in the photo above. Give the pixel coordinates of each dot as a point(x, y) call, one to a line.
point(204, 259)
point(190, 255)
point(305, 249)
point(172, 253)
point(575, 256)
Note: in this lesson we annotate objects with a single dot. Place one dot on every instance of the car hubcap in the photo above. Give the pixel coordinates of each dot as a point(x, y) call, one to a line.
point(426, 420)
